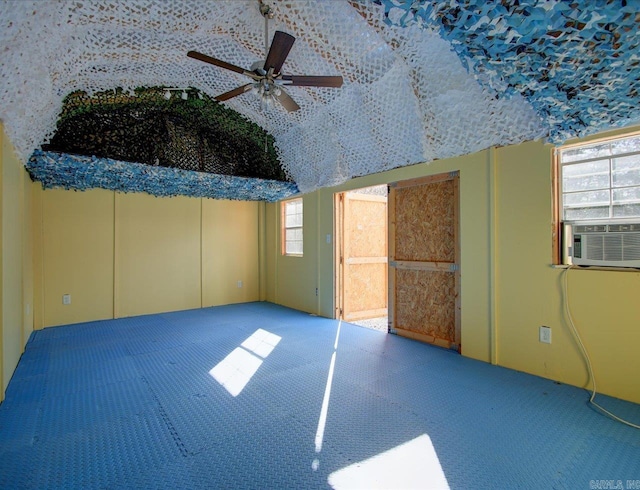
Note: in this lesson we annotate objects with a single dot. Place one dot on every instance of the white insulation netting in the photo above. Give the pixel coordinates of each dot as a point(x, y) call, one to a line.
point(406, 97)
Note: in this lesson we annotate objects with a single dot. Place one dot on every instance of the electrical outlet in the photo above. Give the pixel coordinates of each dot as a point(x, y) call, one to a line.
point(328, 238)
point(239, 284)
point(545, 335)
point(66, 299)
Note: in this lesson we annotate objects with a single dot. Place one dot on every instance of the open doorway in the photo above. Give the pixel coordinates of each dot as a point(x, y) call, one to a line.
point(362, 256)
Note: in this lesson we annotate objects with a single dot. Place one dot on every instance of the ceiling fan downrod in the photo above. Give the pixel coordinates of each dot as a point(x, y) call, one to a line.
point(268, 13)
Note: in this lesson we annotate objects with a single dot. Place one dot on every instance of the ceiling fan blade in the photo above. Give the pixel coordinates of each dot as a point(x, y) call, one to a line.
point(278, 52)
point(312, 81)
point(232, 93)
point(222, 64)
point(287, 102)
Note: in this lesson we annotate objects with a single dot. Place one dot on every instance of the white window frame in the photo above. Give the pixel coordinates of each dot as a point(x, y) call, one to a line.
point(609, 189)
point(291, 223)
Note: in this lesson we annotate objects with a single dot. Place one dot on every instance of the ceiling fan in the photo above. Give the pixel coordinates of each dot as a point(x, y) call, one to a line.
point(267, 78)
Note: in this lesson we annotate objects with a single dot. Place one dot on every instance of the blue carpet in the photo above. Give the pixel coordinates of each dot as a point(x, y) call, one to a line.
point(130, 403)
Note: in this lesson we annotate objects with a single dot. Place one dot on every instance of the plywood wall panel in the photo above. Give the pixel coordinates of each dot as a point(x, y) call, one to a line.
point(425, 303)
point(424, 252)
point(425, 218)
point(367, 226)
point(366, 287)
point(363, 265)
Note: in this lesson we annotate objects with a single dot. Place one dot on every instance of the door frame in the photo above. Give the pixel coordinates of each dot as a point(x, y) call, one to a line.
point(338, 247)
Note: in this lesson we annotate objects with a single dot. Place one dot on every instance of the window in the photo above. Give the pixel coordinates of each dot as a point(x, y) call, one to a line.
point(292, 227)
point(600, 180)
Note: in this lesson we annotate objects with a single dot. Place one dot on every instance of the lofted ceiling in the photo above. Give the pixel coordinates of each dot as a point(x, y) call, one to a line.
point(422, 80)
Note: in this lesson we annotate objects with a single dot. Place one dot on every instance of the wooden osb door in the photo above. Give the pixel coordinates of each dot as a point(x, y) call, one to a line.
point(424, 258)
point(362, 264)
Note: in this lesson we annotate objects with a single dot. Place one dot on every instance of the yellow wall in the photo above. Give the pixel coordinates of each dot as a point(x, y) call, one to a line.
point(121, 255)
point(292, 280)
point(77, 256)
point(603, 303)
point(237, 248)
point(508, 287)
point(157, 254)
point(16, 291)
point(27, 257)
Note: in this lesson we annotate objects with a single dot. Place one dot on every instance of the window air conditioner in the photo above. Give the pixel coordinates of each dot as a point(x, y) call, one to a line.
point(603, 244)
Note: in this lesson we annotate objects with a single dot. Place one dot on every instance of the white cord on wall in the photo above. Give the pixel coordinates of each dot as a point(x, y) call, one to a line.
point(574, 330)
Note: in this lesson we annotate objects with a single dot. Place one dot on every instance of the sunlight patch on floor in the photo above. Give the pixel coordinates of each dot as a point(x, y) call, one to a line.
point(324, 410)
point(261, 342)
point(413, 464)
point(235, 370)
